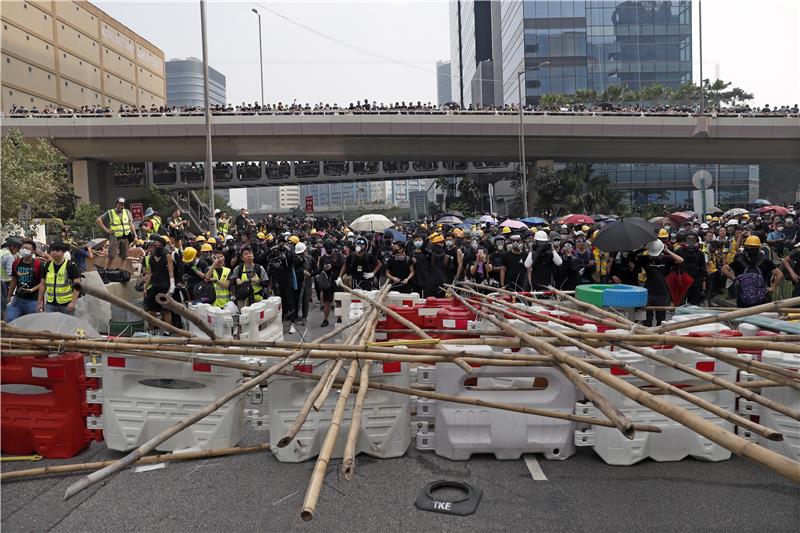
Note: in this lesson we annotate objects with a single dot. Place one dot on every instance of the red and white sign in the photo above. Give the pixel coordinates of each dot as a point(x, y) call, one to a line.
point(137, 210)
point(309, 204)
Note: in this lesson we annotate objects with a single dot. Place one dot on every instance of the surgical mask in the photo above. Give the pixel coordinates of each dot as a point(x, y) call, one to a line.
point(789, 221)
point(474, 245)
point(500, 246)
point(448, 243)
point(359, 248)
point(780, 229)
point(417, 244)
point(24, 252)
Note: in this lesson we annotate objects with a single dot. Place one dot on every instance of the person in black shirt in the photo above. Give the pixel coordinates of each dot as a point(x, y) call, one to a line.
point(623, 269)
point(159, 278)
point(497, 260)
point(657, 262)
point(57, 294)
point(791, 265)
point(361, 266)
point(753, 258)
point(515, 275)
point(694, 264)
point(327, 266)
point(399, 269)
point(27, 274)
point(420, 258)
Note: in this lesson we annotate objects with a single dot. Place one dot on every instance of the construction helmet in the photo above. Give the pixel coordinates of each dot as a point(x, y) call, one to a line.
point(541, 236)
point(294, 239)
point(206, 248)
point(313, 231)
point(270, 237)
point(505, 229)
point(211, 240)
point(189, 254)
point(261, 235)
point(458, 232)
point(752, 240)
point(594, 235)
point(436, 238)
point(200, 238)
point(663, 234)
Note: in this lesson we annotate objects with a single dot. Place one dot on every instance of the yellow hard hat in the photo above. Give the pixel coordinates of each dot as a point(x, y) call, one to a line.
point(752, 240)
point(746, 216)
point(594, 235)
point(533, 229)
point(261, 235)
point(662, 233)
point(709, 217)
point(585, 228)
point(505, 229)
point(313, 231)
point(270, 236)
point(423, 226)
point(294, 239)
point(458, 232)
point(205, 248)
point(211, 240)
point(200, 238)
point(436, 238)
point(189, 254)
point(715, 219)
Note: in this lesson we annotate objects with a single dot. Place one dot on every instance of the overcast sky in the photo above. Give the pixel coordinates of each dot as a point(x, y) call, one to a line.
point(391, 47)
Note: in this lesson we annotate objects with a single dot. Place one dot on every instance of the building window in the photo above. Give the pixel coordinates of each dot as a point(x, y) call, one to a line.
point(80, 63)
point(48, 76)
point(10, 93)
point(66, 84)
point(30, 69)
point(65, 56)
point(62, 27)
point(47, 47)
point(27, 37)
point(8, 60)
point(81, 89)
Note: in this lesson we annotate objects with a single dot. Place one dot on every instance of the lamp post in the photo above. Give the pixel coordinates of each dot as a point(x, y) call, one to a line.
point(212, 223)
point(700, 40)
point(522, 165)
point(260, 53)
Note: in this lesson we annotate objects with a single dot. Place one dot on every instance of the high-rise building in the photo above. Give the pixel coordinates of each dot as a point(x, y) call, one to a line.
point(273, 199)
point(72, 54)
point(444, 92)
point(185, 83)
point(476, 52)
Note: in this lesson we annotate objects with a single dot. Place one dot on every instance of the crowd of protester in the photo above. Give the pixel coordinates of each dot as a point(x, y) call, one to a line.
point(365, 107)
point(301, 260)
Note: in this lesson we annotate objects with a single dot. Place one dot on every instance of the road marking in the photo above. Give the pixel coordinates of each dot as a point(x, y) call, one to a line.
point(533, 467)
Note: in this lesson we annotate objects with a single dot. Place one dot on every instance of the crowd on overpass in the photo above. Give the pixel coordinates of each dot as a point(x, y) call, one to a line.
point(744, 254)
point(367, 107)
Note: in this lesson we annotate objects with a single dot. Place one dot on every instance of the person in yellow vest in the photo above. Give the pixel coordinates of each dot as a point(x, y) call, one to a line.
point(250, 279)
point(58, 293)
point(223, 224)
point(220, 275)
point(117, 223)
point(154, 221)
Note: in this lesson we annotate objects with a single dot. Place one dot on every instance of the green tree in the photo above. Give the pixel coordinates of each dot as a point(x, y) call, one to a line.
point(629, 95)
point(655, 93)
point(83, 224)
point(716, 92)
point(586, 96)
point(552, 102)
point(738, 94)
point(576, 188)
point(612, 94)
point(160, 201)
point(34, 173)
point(688, 93)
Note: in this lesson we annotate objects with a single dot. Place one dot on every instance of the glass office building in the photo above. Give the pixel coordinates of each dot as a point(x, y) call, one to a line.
point(185, 83)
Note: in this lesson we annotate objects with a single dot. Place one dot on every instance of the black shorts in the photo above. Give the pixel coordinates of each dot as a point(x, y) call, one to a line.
point(326, 295)
point(150, 303)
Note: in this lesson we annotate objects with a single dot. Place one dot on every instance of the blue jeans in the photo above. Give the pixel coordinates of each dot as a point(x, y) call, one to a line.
point(20, 307)
point(3, 292)
point(57, 308)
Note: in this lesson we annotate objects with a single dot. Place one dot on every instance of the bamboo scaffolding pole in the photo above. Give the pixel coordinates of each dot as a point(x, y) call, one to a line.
point(566, 365)
point(141, 313)
point(166, 301)
point(731, 315)
point(147, 460)
point(151, 444)
point(291, 433)
point(349, 457)
point(407, 323)
point(759, 384)
point(323, 460)
point(784, 466)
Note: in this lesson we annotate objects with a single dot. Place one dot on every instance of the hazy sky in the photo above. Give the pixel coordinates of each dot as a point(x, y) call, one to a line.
point(753, 43)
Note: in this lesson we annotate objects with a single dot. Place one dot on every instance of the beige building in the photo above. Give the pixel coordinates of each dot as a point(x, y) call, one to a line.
point(71, 53)
point(288, 197)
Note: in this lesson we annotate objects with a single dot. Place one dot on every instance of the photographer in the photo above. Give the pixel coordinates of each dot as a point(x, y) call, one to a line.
point(249, 280)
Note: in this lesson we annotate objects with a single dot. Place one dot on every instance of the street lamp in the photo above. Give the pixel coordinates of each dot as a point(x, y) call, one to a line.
point(260, 53)
point(522, 165)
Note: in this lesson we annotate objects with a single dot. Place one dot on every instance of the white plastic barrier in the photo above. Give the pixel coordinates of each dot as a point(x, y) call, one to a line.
point(463, 430)
point(201, 310)
point(385, 421)
point(142, 397)
point(790, 445)
point(262, 320)
point(714, 327)
point(343, 300)
point(675, 440)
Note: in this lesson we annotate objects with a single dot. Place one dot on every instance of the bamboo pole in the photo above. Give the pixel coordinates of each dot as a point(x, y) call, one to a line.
point(307, 405)
point(144, 315)
point(317, 477)
point(147, 460)
point(165, 300)
point(349, 457)
point(759, 384)
point(407, 323)
point(731, 315)
point(782, 465)
point(151, 444)
point(566, 365)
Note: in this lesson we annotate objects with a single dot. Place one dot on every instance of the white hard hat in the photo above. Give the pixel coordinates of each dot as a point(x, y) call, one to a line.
point(732, 222)
point(299, 248)
point(540, 236)
point(655, 248)
point(703, 226)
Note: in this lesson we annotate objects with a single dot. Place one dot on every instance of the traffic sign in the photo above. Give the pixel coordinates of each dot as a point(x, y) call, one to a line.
point(309, 204)
point(137, 210)
point(702, 179)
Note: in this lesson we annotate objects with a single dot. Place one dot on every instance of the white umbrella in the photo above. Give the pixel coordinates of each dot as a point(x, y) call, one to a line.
point(372, 222)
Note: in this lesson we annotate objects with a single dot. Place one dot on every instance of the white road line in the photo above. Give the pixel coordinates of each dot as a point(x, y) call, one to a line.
point(533, 467)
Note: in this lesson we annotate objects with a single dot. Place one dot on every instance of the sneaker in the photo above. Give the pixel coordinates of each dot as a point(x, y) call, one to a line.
point(324, 324)
point(292, 330)
point(303, 321)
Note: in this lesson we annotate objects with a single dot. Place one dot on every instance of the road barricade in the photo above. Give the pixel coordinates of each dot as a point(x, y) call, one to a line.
point(262, 321)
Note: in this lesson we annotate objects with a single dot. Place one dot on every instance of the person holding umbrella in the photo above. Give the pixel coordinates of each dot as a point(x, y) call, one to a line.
point(657, 261)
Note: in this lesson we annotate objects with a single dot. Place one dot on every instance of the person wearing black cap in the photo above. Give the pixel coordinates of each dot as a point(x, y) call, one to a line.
point(58, 293)
point(117, 223)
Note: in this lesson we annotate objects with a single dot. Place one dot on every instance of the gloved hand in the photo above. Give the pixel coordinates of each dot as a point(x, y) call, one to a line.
point(338, 281)
point(369, 275)
point(171, 286)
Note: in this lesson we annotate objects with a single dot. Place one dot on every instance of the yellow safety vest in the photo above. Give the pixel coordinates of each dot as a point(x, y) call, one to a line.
point(223, 294)
point(156, 220)
point(119, 225)
point(58, 287)
point(222, 227)
point(256, 288)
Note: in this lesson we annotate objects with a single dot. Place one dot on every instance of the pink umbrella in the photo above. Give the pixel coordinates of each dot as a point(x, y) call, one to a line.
point(775, 209)
point(577, 219)
point(680, 217)
point(516, 224)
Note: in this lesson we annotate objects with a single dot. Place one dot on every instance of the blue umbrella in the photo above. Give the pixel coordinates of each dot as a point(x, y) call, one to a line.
point(397, 235)
point(471, 220)
point(534, 221)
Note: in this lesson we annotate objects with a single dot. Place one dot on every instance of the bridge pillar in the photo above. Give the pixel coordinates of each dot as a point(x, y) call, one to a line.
point(90, 181)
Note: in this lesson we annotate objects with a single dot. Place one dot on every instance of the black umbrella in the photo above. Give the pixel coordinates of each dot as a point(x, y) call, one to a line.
point(458, 214)
point(626, 235)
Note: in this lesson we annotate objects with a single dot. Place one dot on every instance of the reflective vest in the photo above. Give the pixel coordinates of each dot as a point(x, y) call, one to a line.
point(156, 220)
point(58, 287)
point(4, 276)
point(223, 294)
point(256, 288)
point(222, 227)
point(119, 225)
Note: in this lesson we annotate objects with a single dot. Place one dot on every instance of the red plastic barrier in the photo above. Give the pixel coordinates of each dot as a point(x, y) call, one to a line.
point(50, 424)
point(409, 313)
point(454, 318)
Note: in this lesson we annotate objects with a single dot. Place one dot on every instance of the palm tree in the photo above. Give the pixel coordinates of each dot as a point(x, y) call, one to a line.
point(577, 189)
point(737, 94)
point(716, 90)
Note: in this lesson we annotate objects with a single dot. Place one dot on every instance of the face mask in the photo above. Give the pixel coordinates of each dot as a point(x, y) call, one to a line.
point(24, 252)
point(328, 249)
point(752, 253)
point(448, 243)
point(780, 229)
point(500, 246)
point(417, 244)
point(474, 245)
point(358, 248)
point(789, 221)
point(158, 251)
point(516, 246)
point(667, 227)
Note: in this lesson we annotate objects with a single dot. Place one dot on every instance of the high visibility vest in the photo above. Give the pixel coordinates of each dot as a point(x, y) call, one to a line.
point(4, 276)
point(222, 227)
point(223, 294)
point(119, 225)
point(156, 220)
point(58, 287)
point(256, 288)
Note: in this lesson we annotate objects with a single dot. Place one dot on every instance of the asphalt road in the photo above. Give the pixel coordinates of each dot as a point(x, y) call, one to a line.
point(255, 492)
